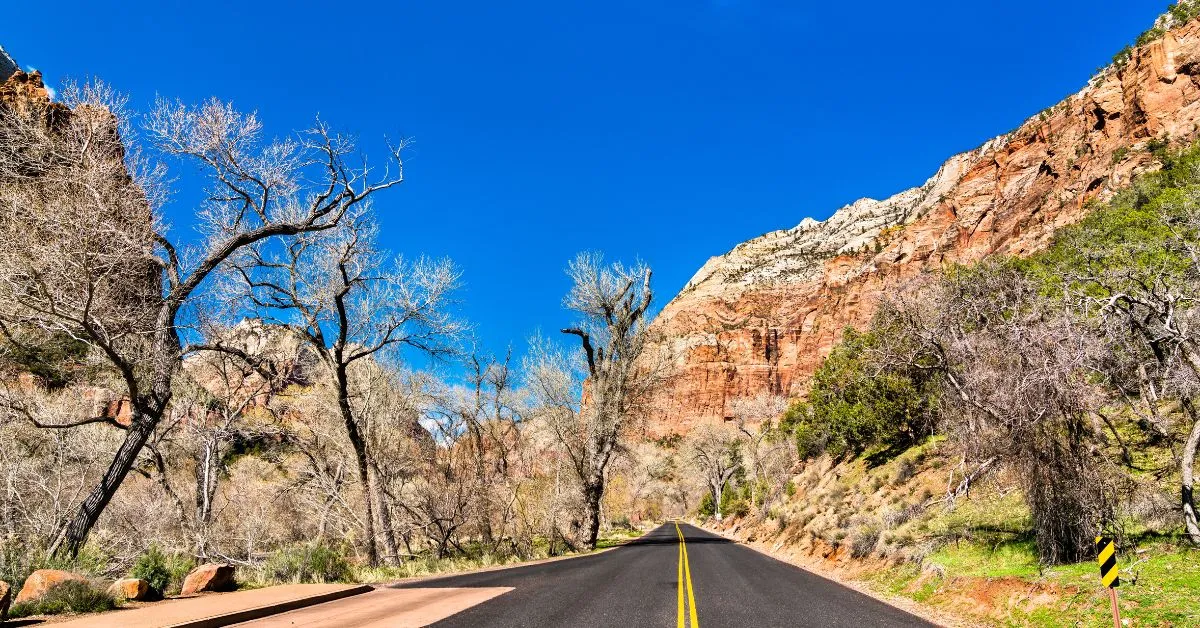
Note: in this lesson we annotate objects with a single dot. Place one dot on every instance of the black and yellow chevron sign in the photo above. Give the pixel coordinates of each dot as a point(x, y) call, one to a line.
point(1107, 557)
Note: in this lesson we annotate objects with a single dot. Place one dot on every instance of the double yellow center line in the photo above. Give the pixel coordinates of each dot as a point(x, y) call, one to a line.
point(685, 577)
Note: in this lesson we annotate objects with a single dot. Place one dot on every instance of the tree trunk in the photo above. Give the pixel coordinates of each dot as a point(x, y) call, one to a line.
point(73, 535)
point(593, 492)
point(206, 481)
point(390, 548)
point(481, 481)
point(485, 503)
point(1189, 501)
point(360, 458)
point(145, 413)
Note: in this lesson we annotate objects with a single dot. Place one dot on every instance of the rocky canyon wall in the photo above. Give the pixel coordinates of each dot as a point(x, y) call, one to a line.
point(762, 316)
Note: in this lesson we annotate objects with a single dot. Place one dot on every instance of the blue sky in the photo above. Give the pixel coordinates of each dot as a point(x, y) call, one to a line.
point(665, 130)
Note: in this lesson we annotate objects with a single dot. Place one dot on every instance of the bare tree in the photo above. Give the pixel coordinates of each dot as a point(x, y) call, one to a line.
point(715, 451)
point(97, 279)
point(488, 412)
point(589, 399)
point(350, 303)
point(444, 499)
point(754, 417)
point(390, 404)
point(222, 397)
point(1017, 369)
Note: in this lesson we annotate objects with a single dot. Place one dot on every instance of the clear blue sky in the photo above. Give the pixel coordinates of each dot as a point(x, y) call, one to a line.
point(668, 130)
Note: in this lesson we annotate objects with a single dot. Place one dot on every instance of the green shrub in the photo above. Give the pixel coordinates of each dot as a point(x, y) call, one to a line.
point(1150, 35)
point(308, 563)
point(855, 403)
point(1181, 13)
point(735, 502)
point(72, 596)
point(164, 573)
point(906, 468)
point(1122, 56)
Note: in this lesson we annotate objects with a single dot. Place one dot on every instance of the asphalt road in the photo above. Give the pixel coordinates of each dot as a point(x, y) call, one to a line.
point(659, 581)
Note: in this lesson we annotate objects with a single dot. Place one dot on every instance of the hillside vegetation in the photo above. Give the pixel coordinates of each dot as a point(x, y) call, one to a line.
point(996, 418)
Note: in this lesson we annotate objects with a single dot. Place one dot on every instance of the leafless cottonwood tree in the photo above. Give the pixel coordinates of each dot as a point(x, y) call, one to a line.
point(754, 417)
point(222, 397)
point(1017, 368)
point(490, 416)
point(95, 262)
point(390, 404)
point(351, 303)
point(715, 451)
point(589, 397)
point(445, 499)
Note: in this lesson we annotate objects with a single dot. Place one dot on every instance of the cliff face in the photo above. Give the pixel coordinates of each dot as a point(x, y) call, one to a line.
point(7, 66)
point(762, 316)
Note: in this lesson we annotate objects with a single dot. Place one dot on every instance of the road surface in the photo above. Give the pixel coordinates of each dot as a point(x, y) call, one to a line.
point(677, 575)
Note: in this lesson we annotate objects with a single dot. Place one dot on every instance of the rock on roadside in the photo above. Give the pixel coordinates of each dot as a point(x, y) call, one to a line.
point(207, 578)
point(40, 582)
point(132, 589)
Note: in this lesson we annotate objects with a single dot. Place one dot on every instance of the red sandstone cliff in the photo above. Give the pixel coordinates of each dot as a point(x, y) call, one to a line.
point(761, 317)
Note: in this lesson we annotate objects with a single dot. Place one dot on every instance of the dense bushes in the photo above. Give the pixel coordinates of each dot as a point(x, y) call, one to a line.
point(308, 563)
point(50, 357)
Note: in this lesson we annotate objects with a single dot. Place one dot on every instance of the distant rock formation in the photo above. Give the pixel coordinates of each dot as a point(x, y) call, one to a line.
point(762, 316)
point(8, 67)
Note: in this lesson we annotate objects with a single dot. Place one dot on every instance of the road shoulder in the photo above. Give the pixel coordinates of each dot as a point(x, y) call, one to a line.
point(932, 615)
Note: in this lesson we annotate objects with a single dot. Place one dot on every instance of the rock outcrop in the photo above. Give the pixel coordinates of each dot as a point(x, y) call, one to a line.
point(209, 578)
point(8, 67)
point(132, 589)
point(47, 189)
point(42, 581)
point(26, 92)
point(761, 317)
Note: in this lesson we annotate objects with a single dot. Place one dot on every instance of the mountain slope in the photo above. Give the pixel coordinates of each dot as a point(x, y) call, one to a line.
point(761, 317)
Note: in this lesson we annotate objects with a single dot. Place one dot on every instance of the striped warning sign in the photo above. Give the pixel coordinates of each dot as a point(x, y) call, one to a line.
point(1107, 557)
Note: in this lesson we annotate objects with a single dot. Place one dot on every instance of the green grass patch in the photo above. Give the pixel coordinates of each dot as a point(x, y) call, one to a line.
point(616, 537)
point(1005, 559)
point(1160, 583)
point(308, 563)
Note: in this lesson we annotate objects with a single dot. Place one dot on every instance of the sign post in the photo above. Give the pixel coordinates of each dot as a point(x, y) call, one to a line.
point(1106, 556)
